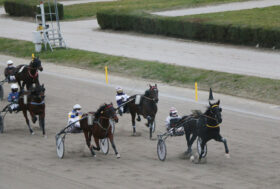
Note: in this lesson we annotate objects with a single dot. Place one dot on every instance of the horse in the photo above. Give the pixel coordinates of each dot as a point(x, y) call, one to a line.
point(35, 105)
point(147, 107)
point(28, 74)
point(101, 127)
point(206, 126)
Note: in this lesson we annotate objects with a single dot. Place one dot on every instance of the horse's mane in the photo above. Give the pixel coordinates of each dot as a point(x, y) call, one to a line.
point(99, 110)
point(147, 92)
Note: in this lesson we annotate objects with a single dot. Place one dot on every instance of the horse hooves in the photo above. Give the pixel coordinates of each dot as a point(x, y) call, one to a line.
point(32, 133)
point(227, 156)
point(138, 119)
point(34, 120)
point(118, 156)
point(45, 136)
point(188, 154)
point(192, 158)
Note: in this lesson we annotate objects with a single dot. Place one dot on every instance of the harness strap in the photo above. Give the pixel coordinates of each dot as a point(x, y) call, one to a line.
point(210, 126)
point(214, 106)
point(37, 103)
point(33, 76)
point(148, 98)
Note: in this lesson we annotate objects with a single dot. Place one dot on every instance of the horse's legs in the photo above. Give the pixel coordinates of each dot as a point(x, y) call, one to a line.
point(138, 117)
point(187, 135)
point(42, 123)
point(133, 122)
point(222, 139)
point(88, 139)
point(97, 144)
point(203, 143)
point(111, 138)
point(33, 116)
point(20, 86)
point(27, 121)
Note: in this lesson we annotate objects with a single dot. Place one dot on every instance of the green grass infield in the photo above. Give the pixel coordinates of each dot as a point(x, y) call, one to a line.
point(261, 89)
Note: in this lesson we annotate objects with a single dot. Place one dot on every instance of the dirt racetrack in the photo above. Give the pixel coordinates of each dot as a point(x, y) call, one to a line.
point(31, 162)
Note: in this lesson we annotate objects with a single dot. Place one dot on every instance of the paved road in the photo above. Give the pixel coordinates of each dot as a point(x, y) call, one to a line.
point(220, 8)
point(81, 2)
point(31, 162)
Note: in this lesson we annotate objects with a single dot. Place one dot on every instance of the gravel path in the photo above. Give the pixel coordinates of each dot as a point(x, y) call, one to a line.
point(81, 2)
point(220, 8)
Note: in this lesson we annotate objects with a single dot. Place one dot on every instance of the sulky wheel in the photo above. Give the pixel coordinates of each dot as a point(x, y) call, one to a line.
point(60, 148)
point(161, 150)
point(112, 123)
point(104, 145)
point(1, 124)
point(1, 92)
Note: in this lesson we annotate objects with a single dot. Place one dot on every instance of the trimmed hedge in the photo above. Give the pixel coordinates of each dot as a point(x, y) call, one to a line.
point(188, 28)
point(29, 8)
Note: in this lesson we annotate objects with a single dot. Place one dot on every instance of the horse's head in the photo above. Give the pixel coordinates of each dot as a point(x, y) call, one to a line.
point(108, 111)
point(215, 111)
point(38, 92)
point(36, 64)
point(152, 93)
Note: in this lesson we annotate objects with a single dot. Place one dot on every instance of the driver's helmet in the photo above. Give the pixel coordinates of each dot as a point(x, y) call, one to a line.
point(77, 107)
point(173, 112)
point(14, 87)
point(119, 90)
point(10, 62)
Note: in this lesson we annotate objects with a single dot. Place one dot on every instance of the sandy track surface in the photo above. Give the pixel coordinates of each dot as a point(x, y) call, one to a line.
point(30, 161)
point(220, 8)
point(86, 35)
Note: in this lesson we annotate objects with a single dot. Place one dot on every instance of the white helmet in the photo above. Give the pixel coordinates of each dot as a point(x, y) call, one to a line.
point(77, 106)
point(10, 62)
point(173, 111)
point(14, 86)
point(119, 90)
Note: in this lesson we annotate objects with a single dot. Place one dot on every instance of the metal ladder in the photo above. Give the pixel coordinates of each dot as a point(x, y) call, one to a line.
point(51, 32)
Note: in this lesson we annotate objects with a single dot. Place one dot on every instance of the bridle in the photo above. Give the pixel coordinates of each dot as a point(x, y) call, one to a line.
point(104, 117)
point(215, 119)
point(151, 89)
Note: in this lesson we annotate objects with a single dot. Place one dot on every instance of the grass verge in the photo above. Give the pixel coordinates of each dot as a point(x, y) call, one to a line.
point(261, 89)
point(78, 11)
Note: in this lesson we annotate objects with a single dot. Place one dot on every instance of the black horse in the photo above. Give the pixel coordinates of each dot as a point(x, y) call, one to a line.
point(34, 104)
point(206, 127)
point(28, 74)
point(147, 107)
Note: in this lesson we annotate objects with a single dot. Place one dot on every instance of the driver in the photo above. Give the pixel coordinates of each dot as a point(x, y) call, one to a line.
point(121, 97)
point(74, 116)
point(172, 118)
point(10, 71)
point(13, 98)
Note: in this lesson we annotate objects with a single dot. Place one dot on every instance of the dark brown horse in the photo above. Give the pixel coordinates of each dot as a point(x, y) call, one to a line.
point(147, 107)
point(32, 101)
point(101, 127)
point(28, 74)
